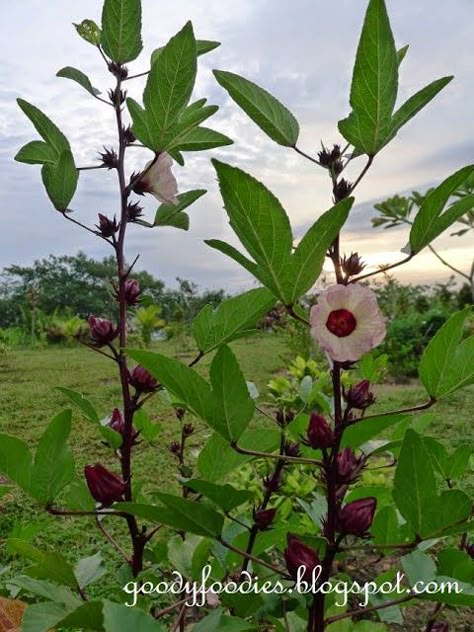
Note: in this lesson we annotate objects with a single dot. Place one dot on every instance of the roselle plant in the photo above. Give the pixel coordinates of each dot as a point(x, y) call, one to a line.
point(274, 562)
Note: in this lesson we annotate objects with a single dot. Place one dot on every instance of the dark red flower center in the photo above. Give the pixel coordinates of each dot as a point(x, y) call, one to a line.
point(341, 322)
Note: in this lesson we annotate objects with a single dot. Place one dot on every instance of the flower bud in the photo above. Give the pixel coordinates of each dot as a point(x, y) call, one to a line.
point(116, 96)
point(319, 434)
point(469, 548)
point(188, 430)
point(102, 331)
point(263, 518)
point(440, 626)
point(119, 71)
point(180, 412)
point(352, 265)
point(341, 190)
point(128, 136)
point(360, 396)
point(298, 555)
point(134, 211)
point(291, 449)
point(117, 423)
point(273, 482)
point(141, 380)
point(132, 292)
point(105, 486)
point(107, 227)
point(356, 517)
point(175, 448)
point(348, 467)
point(110, 160)
point(89, 31)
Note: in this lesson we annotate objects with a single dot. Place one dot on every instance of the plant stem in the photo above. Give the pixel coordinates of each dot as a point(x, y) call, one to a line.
point(360, 611)
point(307, 156)
point(129, 407)
point(382, 269)
point(281, 457)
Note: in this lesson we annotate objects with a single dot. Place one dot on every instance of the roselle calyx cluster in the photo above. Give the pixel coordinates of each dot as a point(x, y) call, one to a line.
point(263, 518)
point(359, 396)
point(348, 467)
point(105, 486)
point(102, 331)
point(141, 380)
point(117, 423)
point(319, 434)
point(341, 190)
point(352, 265)
point(107, 227)
point(356, 517)
point(331, 159)
point(109, 158)
point(299, 555)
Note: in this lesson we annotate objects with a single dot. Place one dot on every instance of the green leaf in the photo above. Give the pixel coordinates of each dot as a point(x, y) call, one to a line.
point(16, 461)
point(385, 528)
point(260, 222)
point(148, 429)
point(417, 102)
point(448, 509)
point(414, 483)
point(121, 29)
point(234, 406)
point(234, 254)
point(310, 254)
point(89, 570)
point(37, 152)
point(419, 567)
point(430, 221)
point(85, 405)
point(217, 621)
point(89, 31)
point(51, 566)
point(364, 430)
point(118, 618)
point(53, 468)
point(447, 363)
point(231, 319)
point(201, 138)
point(263, 108)
point(45, 127)
point(179, 513)
point(60, 180)
point(172, 214)
point(68, 72)
point(456, 563)
point(42, 617)
point(459, 461)
point(167, 91)
point(180, 380)
point(374, 84)
point(47, 590)
point(224, 496)
point(217, 458)
point(202, 47)
point(401, 53)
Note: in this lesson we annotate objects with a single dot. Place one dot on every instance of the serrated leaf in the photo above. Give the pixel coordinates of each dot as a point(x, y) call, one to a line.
point(202, 47)
point(401, 53)
point(118, 617)
point(414, 483)
point(447, 364)
point(201, 138)
point(51, 134)
point(231, 319)
point(417, 102)
point(431, 221)
point(53, 467)
point(51, 566)
point(310, 254)
point(374, 83)
point(68, 72)
point(16, 461)
point(224, 496)
point(238, 257)
point(84, 404)
point(263, 108)
point(172, 215)
point(234, 406)
point(121, 29)
point(364, 430)
point(167, 91)
point(37, 152)
point(217, 458)
point(260, 222)
point(60, 180)
point(89, 570)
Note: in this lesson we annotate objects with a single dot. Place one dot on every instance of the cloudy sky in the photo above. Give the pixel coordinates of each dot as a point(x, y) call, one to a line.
point(300, 50)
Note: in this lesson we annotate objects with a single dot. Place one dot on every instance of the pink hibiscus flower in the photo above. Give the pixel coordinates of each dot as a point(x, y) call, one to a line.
point(347, 322)
point(158, 180)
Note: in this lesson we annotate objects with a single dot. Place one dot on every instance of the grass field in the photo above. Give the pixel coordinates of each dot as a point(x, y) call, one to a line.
point(28, 401)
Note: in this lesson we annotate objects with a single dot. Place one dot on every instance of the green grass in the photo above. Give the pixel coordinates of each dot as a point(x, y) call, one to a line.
point(29, 400)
